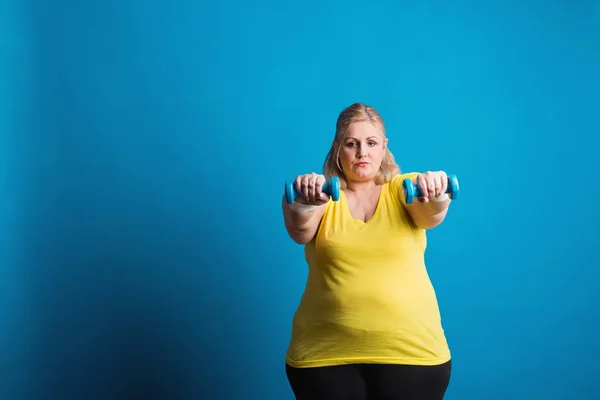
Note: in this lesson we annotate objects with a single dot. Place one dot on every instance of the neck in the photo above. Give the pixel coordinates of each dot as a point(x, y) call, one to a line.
point(360, 186)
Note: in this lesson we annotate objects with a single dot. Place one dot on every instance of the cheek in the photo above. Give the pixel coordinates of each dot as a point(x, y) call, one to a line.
point(376, 155)
point(373, 152)
point(347, 154)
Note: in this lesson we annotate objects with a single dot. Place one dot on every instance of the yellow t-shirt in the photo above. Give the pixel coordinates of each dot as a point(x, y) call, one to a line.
point(368, 297)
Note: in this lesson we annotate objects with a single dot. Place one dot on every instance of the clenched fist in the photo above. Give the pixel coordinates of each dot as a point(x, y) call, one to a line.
point(310, 186)
point(433, 185)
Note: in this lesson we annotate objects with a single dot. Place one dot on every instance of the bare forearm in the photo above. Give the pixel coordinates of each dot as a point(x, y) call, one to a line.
point(296, 216)
point(434, 206)
point(428, 215)
point(301, 223)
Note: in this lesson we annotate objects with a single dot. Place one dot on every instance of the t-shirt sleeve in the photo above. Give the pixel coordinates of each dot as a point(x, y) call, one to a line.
point(396, 185)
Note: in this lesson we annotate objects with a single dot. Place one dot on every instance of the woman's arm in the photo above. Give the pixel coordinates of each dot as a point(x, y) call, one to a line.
point(431, 214)
point(301, 220)
point(431, 208)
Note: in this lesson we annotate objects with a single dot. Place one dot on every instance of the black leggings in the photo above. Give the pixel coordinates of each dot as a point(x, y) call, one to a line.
point(370, 382)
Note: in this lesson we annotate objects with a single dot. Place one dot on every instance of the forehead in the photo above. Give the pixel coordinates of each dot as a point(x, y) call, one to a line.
point(363, 130)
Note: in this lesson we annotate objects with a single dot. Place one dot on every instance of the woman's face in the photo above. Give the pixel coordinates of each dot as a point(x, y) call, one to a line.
point(362, 151)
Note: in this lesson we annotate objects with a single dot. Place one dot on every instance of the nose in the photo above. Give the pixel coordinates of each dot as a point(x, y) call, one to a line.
point(360, 153)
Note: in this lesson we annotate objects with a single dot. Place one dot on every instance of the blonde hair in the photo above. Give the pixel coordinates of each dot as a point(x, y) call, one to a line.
point(355, 113)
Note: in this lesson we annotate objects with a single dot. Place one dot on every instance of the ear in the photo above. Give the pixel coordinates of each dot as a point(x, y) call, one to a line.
point(385, 143)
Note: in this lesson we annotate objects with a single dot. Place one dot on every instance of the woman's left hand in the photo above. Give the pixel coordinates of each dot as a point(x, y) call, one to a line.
point(432, 184)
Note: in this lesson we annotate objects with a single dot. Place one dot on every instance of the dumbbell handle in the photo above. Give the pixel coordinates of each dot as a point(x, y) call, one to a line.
point(331, 188)
point(411, 190)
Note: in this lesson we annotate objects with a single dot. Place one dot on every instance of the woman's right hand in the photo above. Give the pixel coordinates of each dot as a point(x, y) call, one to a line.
point(310, 186)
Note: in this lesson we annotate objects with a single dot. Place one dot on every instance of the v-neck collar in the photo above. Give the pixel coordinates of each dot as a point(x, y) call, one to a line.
point(346, 207)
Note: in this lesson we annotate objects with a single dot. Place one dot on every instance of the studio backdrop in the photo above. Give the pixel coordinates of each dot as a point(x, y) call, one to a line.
point(145, 146)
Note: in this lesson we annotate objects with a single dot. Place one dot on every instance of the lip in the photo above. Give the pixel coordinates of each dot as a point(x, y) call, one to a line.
point(362, 164)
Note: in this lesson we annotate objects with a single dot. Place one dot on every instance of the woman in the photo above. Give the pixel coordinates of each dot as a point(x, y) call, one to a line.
point(368, 325)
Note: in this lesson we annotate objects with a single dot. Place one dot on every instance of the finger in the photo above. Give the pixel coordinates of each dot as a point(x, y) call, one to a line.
point(424, 186)
point(422, 183)
point(437, 188)
point(442, 186)
point(324, 197)
point(320, 183)
point(301, 189)
point(430, 186)
point(312, 191)
point(304, 187)
point(444, 183)
point(298, 184)
point(307, 189)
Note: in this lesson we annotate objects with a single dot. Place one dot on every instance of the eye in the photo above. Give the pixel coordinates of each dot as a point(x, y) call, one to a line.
point(350, 144)
point(372, 143)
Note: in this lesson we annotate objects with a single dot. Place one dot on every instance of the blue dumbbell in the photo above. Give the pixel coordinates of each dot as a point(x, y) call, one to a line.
point(411, 190)
point(331, 188)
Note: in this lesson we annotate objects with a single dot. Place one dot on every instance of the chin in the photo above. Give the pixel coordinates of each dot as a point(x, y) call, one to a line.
point(364, 177)
point(363, 171)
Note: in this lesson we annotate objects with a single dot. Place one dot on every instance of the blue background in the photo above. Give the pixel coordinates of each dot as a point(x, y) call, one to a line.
point(144, 150)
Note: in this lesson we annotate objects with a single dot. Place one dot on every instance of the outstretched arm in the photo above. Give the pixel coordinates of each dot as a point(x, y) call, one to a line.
point(302, 218)
point(431, 208)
